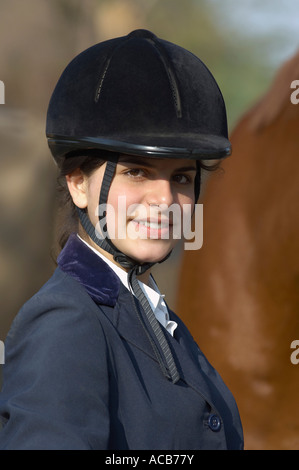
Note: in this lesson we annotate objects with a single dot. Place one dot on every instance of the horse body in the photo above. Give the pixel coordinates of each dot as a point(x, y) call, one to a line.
point(239, 294)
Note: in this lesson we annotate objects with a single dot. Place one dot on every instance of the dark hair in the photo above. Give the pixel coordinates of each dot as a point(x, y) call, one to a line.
point(67, 220)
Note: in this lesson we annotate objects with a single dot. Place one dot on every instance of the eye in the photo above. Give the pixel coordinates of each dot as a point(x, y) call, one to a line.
point(182, 178)
point(135, 173)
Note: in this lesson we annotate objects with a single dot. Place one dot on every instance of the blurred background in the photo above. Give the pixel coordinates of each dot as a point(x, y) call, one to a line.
point(242, 43)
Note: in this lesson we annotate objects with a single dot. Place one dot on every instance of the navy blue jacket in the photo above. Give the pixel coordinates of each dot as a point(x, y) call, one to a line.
point(80, 372)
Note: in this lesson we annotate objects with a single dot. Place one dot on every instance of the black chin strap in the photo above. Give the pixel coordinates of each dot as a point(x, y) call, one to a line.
point(103, 242)
point(153, 330)
point(148, 320)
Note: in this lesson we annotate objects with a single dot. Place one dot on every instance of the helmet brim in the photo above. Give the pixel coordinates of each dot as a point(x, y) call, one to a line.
point(192, 146)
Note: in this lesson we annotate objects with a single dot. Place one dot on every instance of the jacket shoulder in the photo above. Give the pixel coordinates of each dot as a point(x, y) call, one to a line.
point(60, 299)
point(56, 352)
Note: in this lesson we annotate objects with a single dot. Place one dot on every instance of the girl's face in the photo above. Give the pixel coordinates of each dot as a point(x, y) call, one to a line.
point(145, 203)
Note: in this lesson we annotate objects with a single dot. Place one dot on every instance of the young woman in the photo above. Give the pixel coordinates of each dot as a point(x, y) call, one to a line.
point(96, 360)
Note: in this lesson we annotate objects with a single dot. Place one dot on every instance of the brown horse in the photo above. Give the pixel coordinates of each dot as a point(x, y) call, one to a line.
point(239, 294)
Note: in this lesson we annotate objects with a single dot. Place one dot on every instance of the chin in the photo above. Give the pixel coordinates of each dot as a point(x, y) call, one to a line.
point(150, 254)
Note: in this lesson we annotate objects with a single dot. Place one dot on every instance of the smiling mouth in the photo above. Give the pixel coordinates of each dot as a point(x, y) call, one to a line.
point(154, 224)
point(147, 229)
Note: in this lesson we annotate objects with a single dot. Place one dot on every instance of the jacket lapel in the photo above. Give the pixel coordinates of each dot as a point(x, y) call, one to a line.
point(128, 322)
point(80, 262)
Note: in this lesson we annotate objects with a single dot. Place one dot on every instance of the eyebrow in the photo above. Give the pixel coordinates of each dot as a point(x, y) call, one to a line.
point(136, 161)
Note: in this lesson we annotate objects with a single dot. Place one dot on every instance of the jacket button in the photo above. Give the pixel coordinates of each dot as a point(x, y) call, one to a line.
point(214, 423)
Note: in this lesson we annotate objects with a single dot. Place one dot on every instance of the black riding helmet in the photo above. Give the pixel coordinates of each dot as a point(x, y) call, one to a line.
point(141, 95)
point(138, 95)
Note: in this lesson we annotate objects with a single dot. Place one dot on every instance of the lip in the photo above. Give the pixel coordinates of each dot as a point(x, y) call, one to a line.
point(153, 228)
point(159, 221)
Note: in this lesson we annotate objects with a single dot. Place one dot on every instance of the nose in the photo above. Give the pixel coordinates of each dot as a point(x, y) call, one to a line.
point(160, 192)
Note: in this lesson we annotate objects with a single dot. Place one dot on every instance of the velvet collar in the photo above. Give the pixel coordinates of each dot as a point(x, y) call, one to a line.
point(80, 262)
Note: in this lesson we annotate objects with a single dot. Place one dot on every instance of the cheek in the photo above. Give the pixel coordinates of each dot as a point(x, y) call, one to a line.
point(93, 195)
point(186, 199)
point(93, 204)
point(120, 203)
point(186, 204)
point(123, 199)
